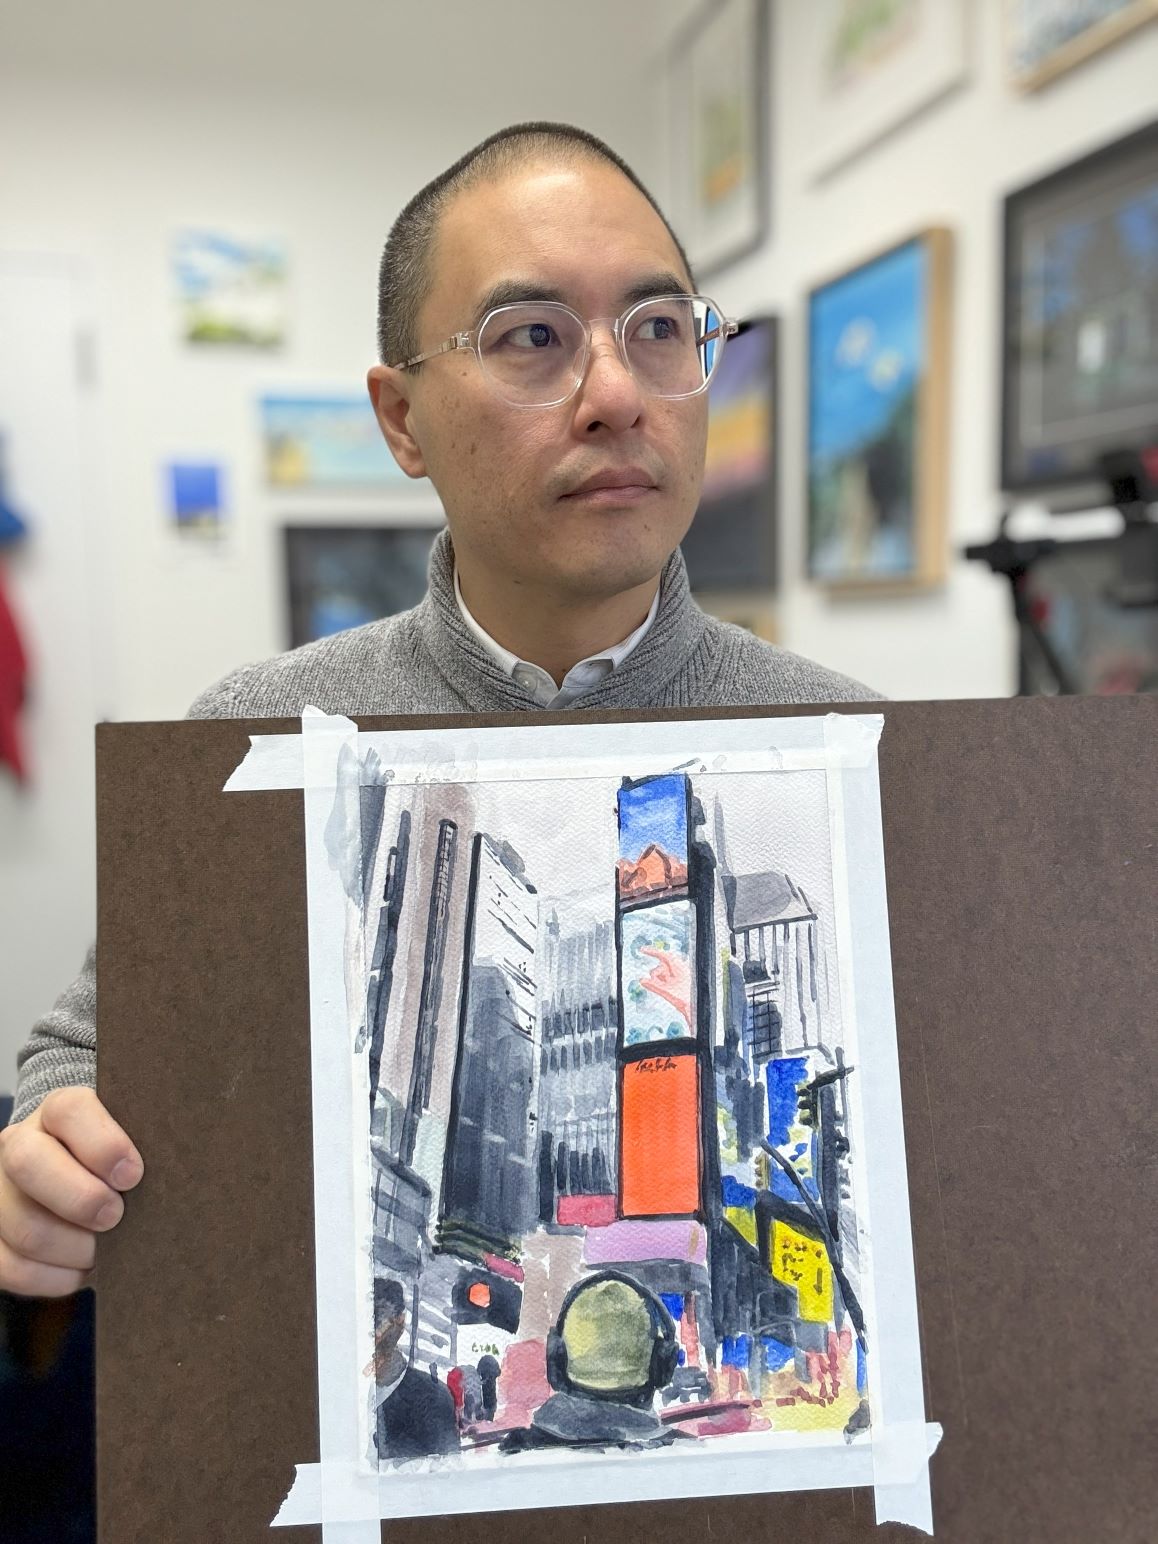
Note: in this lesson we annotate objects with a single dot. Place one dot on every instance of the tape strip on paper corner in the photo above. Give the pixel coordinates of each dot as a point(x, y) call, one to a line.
point(326, 743)
point(901, 1489)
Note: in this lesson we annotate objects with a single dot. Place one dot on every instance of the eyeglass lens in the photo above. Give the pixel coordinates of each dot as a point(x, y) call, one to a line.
point(533, 351)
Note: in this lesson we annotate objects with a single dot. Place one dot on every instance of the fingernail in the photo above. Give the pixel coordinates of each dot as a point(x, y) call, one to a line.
point(109, 1214)
point(126, 1173)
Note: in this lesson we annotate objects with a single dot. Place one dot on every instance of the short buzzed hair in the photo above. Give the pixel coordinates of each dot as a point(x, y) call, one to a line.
point(404, 276)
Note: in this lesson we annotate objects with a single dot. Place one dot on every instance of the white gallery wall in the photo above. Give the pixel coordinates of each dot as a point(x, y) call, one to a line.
point(124, 122)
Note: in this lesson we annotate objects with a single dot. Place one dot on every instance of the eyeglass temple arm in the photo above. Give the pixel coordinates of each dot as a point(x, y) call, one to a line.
point(460, 340)
point(726, 329)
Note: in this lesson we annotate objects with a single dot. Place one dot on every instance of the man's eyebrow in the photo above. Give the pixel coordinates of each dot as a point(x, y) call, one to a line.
point(509, 292)
point(664, 283)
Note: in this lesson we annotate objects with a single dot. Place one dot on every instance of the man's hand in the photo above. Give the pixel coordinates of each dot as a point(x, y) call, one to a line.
point(62, 1171)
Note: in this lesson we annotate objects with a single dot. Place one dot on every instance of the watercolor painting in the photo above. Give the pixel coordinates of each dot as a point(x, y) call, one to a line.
point(230, 290)
point(196, 499)
point(327, 440)
point(610, 1099)
point(717, 87)
point(605, 1091)
point(868, 68)
point(877, 385)
point(866, 34)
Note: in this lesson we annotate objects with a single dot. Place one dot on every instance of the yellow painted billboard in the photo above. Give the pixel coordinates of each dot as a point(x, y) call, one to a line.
point(802, 1262)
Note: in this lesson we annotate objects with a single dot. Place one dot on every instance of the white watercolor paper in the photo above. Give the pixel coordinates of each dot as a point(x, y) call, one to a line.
point(611, 1198)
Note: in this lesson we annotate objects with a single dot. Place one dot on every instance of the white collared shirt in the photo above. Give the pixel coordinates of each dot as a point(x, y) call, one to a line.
point(534, 679)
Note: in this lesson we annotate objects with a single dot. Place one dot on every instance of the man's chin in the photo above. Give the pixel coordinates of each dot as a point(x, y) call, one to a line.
point(609, 563)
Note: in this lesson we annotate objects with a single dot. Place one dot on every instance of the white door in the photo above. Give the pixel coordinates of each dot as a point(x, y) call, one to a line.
point(54, 583)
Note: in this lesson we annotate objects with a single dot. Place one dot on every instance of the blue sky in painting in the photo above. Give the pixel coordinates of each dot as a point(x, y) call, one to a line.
point(203, 261)
point(656, 811)
point(865, 337)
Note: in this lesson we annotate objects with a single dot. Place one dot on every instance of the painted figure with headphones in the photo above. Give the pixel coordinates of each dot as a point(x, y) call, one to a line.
point(612, 1350)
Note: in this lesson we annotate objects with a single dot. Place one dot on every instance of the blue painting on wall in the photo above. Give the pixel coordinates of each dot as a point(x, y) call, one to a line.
point(872, 432)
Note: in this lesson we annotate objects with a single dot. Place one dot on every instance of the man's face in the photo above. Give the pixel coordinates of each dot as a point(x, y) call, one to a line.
point(506, 474)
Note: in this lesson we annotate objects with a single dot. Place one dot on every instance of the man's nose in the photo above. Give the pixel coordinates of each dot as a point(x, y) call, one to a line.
point(609, 393)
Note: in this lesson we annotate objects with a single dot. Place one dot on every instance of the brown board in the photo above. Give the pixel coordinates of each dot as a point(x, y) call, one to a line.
point(1021, 842)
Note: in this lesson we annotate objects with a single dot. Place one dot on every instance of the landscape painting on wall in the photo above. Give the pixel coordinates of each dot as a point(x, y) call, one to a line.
point(326, 440)
point(878, 378)
point(719, 160)
point(230, 289)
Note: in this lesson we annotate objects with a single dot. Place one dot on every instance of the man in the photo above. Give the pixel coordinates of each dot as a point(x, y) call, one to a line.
point(413, 1413)
point(568, 451)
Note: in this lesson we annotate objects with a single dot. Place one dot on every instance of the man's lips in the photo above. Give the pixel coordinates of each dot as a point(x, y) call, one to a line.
point(625, 484)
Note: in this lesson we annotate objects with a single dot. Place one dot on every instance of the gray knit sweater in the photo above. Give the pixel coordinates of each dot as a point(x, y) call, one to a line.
point(426, 661)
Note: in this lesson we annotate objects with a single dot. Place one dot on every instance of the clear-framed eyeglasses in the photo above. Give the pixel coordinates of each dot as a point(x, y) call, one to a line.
point(534, 353)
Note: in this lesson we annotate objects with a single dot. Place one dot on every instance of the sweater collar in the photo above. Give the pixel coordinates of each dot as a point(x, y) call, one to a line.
point(483, 684)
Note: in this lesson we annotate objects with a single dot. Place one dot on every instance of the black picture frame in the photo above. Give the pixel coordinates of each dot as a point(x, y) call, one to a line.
point(340, 576)
point(1115, 406)
point(732, 546)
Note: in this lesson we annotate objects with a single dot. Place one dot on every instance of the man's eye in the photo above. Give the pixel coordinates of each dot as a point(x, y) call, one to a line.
point(532, 335)
point(658, 329)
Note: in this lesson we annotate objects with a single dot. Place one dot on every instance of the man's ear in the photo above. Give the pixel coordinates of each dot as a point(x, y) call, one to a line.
point(388, 392)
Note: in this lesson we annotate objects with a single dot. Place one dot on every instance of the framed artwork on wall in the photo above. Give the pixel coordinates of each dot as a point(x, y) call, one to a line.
point(343, 576)
point(719, 73)
point(1045, 38)
point(328, 440)
point(870, 66)
point(230, 289)
point(1079, 365)
point(878, 385)
point(733, 540)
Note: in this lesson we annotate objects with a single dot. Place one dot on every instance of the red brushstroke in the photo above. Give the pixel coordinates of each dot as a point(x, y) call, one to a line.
point(586, 1211)
point(501, 1267)
point(654, 873)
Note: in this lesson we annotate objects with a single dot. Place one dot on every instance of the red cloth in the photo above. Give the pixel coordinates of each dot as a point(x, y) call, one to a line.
point(13, 682)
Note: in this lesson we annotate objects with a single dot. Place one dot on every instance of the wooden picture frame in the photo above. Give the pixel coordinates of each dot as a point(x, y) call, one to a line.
point(877, 474)
point(1084, 381)
point(1042, 41)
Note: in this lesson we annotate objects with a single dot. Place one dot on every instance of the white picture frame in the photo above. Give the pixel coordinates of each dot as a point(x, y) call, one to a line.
point(720, 170)
point(868, 74)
